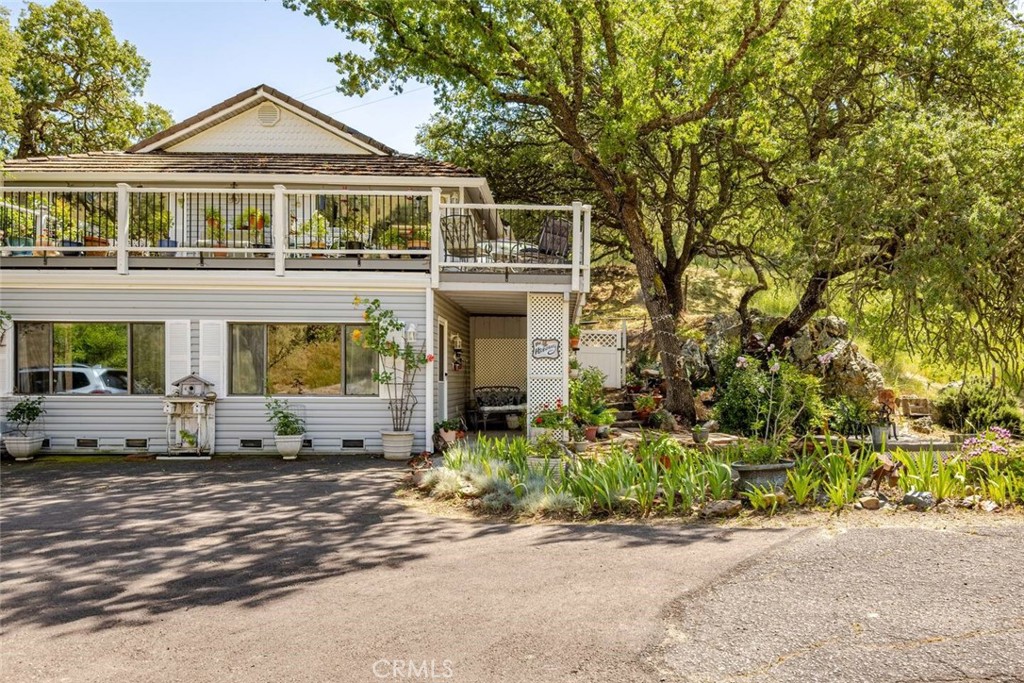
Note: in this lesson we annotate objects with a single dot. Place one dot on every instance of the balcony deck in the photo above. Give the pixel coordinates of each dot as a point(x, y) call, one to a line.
point(135, 229)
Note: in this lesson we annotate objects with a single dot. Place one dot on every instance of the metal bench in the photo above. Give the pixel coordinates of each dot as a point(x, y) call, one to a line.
point(499, 400)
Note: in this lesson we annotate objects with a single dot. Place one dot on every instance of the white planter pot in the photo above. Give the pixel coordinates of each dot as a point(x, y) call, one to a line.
point(289, 446)
point(397, 445)
point(23, 448)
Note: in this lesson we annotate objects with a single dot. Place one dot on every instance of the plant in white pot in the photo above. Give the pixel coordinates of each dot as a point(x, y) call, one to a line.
point(400, 358)
point(289, 428)
point(21, 444)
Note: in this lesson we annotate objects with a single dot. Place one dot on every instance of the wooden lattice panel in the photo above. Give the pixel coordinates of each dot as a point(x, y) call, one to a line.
point(606, 339)
point(547, 317)
point(499, 362)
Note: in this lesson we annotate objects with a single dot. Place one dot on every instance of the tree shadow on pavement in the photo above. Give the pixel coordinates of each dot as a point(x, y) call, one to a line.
point(122, 543)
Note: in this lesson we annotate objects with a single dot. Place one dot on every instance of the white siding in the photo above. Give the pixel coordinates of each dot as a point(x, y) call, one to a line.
point(458, 382)
point(112, 418)
point(292, 134)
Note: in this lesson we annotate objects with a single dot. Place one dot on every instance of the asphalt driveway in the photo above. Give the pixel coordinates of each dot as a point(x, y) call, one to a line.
point(261, 570)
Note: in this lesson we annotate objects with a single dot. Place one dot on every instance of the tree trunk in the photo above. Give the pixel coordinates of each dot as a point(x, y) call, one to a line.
point(810, 303)
point(679, 391)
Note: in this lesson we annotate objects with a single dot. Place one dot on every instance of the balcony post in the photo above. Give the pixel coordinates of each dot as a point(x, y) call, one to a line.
point(436, 241)
point(122, 228)
point(279, 221)
point(577, 244)
point(586, 247)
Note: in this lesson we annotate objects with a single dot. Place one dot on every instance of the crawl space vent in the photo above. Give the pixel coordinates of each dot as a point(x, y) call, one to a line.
point(268, 114)
point(87, 443)
point(250, 443)
point(352, 443)
point(141, 444)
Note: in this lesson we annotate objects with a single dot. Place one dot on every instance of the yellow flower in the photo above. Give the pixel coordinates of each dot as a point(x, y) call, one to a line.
point(357, 335)
point(366, 315)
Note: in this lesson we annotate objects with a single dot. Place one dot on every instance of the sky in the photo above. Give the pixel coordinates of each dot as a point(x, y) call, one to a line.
point(203, 52)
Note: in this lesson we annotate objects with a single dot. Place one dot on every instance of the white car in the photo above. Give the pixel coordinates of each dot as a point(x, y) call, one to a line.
point(73, 379)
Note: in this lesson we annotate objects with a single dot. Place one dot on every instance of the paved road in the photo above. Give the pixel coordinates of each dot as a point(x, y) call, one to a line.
point(261, 570)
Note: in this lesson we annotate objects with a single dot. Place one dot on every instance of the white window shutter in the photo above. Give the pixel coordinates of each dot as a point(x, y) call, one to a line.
point(177, 351)
point(7, 364)
point(213, 354)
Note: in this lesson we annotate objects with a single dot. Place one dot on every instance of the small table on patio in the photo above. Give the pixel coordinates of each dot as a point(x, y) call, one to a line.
point(501, 250)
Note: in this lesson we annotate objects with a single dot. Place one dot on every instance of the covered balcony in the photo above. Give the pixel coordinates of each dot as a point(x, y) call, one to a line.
point(281, 229)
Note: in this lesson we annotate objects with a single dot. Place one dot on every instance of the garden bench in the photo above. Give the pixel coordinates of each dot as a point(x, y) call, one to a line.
point(499, 400)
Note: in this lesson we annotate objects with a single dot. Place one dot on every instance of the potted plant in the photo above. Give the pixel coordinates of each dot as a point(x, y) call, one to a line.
point(574, 368)
point(214, 219)
point(552, 420)
point(448, 430)
point(252, 219)
point(699, 433)
point(289, 428)
point(761, 464)
point(316, 228)
point(418, 239)
point(18, 225)
point(217, 237)
point(579, 440)
point(643, 406)
point(354, 236)
point(574, 336)
point(20, 444)
point(400, 358)
point(69, 235)
point(390, 239)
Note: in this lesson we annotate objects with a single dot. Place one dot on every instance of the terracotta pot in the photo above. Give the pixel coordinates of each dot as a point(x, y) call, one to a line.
point(256, 222)
point(590, 433)
point(213, 223)
point(91, 241)
point(318, 245)
point(574, 342)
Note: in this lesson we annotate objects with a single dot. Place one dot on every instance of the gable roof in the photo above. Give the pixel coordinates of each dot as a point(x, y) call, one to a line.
point(244, 101)
point(122, 165)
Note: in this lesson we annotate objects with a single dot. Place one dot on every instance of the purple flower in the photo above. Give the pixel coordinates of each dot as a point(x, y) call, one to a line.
point(741, 362)
point(774, 369)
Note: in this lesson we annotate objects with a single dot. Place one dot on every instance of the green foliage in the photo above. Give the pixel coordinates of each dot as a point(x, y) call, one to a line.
point(849, 416)
point(644, 402)
point(10, 103)
point(401, 358)
point(285, 421)
point(763, 499)
point(929, 471)
point(772, 403)
point(843, 471)
point(804, 481)
point(757, 452)
point(77, 84)
point(978, 404)
point(586, 399)
point(26, 411)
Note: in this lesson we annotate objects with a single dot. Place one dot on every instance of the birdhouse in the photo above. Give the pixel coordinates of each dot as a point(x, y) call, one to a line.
point(192, 385)
point(191, 414)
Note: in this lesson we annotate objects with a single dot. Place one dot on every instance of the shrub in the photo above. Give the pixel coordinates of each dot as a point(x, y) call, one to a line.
point(772, 403)
point(547, 503)
point(849, 416)
point(978, 404)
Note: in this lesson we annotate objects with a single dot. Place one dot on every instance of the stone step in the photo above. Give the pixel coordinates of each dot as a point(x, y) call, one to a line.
point(627, 424)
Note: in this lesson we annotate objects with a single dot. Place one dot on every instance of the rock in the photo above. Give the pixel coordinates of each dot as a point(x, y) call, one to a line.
point(870, 502)
point(722, 508)
point(858, 506)
point(778, 498)
point(711, 426)
point(921, 500)
point(970, 501)
point(922, 425)
point(695, 362)
point(866, 482)
point(989, 505)
point(823, 347)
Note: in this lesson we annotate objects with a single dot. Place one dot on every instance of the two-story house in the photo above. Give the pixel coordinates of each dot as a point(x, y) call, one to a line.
point(232, 245)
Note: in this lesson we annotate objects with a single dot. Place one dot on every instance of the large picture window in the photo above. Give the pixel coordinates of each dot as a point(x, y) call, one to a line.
point(90, 358)
point(300, 358)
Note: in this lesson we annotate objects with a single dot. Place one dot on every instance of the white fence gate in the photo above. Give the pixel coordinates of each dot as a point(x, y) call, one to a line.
point(606, 351)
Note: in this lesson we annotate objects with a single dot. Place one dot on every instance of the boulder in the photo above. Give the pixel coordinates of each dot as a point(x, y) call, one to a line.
point(824, 349)
point(921, 500)
point(722, 508)
point(695, 362)
point(870, 502)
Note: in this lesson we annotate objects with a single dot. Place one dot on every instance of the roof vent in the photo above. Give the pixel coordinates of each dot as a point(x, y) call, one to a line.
point(268, 114)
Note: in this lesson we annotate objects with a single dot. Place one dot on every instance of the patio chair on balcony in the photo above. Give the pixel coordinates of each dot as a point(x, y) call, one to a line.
point(459, 232)
point(552, 243)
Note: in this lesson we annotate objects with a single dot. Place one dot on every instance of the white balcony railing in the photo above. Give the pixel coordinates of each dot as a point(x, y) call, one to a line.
point(129, 223)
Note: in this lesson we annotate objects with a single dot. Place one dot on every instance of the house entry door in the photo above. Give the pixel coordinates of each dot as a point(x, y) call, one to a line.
point(442, 370)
